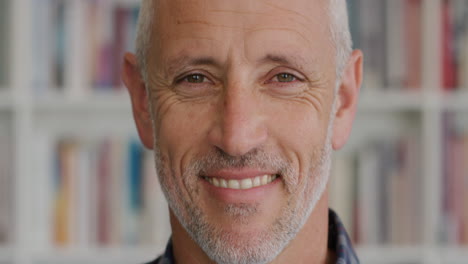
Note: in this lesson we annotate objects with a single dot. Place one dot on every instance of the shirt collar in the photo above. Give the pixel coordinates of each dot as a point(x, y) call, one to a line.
point(339, 242)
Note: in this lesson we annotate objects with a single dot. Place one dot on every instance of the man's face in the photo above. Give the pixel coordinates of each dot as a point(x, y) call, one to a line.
point(241, 99)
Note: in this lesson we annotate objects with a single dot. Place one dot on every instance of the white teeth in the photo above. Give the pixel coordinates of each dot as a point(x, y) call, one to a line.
point(243, 184)
point(257, 182)
point(246, 184)
point(223, 183)
point(233, 184)
point(215, 182)
point(264, 179)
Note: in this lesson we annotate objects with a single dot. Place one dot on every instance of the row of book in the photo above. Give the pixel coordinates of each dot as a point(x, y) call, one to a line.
point(454, 222)
point(6, 183)
point(455, 44)
point(4, 42)
point(389, 33)
point(80, 44)
point(106, 193)
point(376, 190)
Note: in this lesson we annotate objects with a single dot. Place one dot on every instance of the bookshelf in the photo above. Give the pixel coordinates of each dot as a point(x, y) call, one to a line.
point(74, 98)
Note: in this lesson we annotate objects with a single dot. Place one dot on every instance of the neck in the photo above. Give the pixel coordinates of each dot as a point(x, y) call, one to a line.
point(309, 246)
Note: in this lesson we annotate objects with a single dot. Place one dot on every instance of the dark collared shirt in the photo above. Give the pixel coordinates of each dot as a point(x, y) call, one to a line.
point(338, 242)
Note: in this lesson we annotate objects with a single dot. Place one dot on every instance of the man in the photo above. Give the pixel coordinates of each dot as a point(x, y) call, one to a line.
point(243, 102)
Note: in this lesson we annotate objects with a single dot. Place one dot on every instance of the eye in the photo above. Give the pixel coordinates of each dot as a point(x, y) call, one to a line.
point(284, 77)
point(195, 84)
point(195, 78)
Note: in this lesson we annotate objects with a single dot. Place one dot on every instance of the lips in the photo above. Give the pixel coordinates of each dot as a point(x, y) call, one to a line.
point(241, 184)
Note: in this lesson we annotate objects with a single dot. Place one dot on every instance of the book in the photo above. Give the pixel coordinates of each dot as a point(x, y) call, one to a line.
point(448, 59)
point(4, 42)
point(454, 222)
point(454, 44)
point(389, 34)
point(106, 193)
point(372, 41)
point(6, 184)
point(79, 45)
point(413, 51)
point(376, 188)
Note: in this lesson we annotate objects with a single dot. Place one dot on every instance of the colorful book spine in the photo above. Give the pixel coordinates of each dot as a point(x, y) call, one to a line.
point(454, 222)
point(90, 37)
point(100, 197)
point(389, 34)
point(384, 206)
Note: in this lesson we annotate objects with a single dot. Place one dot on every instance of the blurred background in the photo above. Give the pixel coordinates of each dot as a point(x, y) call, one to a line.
point(76, 186)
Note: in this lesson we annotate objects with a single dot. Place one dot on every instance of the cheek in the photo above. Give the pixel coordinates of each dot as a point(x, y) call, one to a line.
point(299, 129)
point(301, 137)
point(182, 129)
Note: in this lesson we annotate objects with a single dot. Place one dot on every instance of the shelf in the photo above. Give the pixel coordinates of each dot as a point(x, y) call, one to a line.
point(93, 115)
point(454, 254)
point(456, 101)
point(6, 254)
point(391, 101)
point(367, 255)
point(92, 103)
point(5, 99)
point(397, 101)
point(391, 254)
point(98, 256)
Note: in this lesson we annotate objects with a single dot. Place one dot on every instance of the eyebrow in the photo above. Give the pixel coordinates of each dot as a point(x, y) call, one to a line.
point(285, 60)
point(186, 61)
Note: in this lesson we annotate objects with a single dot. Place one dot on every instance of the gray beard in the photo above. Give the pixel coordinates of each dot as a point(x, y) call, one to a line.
point(227, 247)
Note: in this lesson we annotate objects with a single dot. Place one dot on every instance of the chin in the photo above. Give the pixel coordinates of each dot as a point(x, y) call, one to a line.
point(252, 247)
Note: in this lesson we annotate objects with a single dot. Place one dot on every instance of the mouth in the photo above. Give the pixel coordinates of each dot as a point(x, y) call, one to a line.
point(242, 184)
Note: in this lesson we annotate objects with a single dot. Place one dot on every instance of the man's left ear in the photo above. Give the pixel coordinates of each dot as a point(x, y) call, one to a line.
point(347, 98)
point(132, 78)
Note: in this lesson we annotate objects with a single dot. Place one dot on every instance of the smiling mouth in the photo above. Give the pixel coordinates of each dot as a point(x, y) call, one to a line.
point(243, 184)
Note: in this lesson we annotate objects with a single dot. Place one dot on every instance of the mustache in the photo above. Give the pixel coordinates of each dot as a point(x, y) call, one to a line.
point(217, 159)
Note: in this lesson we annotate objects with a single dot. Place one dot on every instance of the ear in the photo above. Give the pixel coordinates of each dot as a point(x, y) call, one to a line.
point(132, 78)
point(347, 100)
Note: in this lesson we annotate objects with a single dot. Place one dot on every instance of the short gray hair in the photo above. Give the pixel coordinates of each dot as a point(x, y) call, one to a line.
point(340, 34)
point(144, 36)
point(339, 31)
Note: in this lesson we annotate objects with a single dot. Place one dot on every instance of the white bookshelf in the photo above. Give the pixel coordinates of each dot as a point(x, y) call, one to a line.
point(55, 114)
point(98, 255)
point(390, 254)
point(5, 99)
point(6, 254)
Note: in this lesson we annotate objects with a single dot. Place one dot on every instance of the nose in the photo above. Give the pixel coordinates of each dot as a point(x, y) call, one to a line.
point(240, 127)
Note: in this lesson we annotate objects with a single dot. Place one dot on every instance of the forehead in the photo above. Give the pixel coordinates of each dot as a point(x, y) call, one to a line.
point(251, 27)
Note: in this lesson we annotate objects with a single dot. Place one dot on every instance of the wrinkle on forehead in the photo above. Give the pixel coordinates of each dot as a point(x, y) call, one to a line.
point(296, 32)
point(284, 9)
point(208, 23)
point(239, 12)
point(199, 11)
